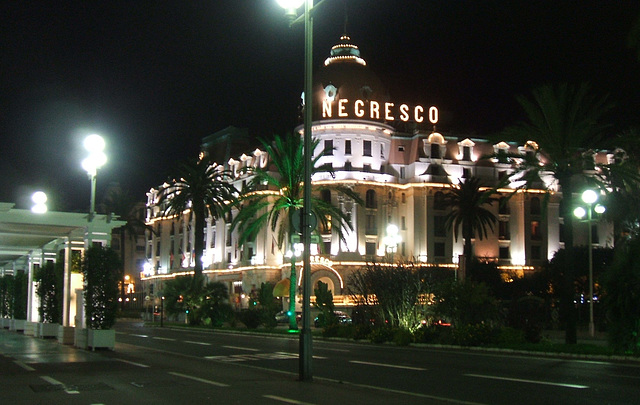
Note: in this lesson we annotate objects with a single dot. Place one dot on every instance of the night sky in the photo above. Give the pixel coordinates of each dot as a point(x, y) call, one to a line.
point(154, 77)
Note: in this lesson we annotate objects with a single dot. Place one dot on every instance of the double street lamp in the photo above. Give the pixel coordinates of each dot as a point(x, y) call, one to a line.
point(590, 197)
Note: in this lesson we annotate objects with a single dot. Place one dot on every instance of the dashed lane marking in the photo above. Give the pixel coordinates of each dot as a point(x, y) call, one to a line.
point(202, 380)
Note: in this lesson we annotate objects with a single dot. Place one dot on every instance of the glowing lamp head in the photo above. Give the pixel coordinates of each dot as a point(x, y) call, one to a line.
point(93, 162)
point(579, 212)
point(39, 200)
point(599, 209)
point(290, 7)
point(94, 143)
point(392, 230)
point(589, 196)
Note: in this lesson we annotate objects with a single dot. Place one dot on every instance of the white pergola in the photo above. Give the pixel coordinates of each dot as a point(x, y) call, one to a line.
point(28, 239)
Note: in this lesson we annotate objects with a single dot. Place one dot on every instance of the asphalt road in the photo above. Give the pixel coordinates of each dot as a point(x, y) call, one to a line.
point(163, 365)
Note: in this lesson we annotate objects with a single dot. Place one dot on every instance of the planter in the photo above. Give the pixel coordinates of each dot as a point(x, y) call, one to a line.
point(101, 339)
point(17, 325)
point(48, 330)
point(80, 338)
point(30, 328)
point(65, 335)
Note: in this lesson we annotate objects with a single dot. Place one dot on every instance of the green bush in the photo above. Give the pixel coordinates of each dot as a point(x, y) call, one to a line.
point(361, 331)
point(251, 318)
point(436, 334)
point(381, 334)
point(473, 335)
point(402, 337)
point(508, 336)
point(331, 330)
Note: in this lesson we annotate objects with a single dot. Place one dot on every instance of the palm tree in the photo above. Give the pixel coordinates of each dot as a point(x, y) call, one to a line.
point(468, 213)
point(202, 189)
point(565, 123)
point(275, 206)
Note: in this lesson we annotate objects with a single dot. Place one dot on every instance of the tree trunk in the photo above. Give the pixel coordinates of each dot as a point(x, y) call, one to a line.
point(293, 324)
point(198, 243)
point(567, 305)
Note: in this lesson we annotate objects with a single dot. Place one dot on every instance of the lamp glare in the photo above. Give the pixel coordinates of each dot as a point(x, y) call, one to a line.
point(589, 196)
point(579, 212)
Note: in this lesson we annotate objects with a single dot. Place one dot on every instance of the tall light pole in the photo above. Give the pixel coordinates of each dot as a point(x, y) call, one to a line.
point(305, 371)
point(589, 197)
point(94, 144)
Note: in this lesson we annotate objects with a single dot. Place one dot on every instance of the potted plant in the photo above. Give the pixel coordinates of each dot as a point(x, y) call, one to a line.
point(17, 300)
point(100, 269)
point(49, 292)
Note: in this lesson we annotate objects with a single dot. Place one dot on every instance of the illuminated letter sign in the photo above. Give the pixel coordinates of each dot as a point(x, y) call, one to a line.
point(391, 112)
point(358, 108)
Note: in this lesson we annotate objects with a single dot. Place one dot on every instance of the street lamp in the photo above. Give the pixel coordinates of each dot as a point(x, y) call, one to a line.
point(39, 199)
point(94, 144)
point(589, 197)
point(305, 336)
point(391, 241)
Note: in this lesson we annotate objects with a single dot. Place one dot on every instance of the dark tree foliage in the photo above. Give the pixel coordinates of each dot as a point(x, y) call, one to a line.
point(49, 291)
point(622, 299)
point(214, 304)
point(19, 295)
point(324, 302)
point(466, 303)
point(100, 268)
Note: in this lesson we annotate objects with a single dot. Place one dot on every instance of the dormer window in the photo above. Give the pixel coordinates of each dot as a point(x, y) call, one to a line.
point(466, 150)
point(434, 146)
point(502, 151)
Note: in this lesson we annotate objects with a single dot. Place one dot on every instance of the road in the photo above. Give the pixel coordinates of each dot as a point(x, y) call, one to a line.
point(163, 365)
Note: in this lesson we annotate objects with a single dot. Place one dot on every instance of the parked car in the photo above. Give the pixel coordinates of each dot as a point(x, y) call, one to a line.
point(283, 317)
point(343, 318)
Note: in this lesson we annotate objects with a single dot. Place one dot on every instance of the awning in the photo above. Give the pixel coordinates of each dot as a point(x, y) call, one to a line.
point(281, 289)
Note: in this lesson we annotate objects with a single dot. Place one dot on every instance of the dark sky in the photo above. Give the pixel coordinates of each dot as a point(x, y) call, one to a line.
point(154, 77)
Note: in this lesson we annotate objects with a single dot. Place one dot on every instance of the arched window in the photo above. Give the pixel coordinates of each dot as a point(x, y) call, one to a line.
point(435, 151)
point(370, 199)
point(534, 208)
point(439, 202)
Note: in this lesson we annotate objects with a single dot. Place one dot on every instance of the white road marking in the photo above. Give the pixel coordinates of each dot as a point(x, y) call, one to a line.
point(197, 343)
point(53, 381)
point(286, 400)
point(133, 363)
point(24, 366)
point(490, 377)
point(143, 336)
point(249, 349)
point(387, 365)
point(202, 380)
point(164, 338)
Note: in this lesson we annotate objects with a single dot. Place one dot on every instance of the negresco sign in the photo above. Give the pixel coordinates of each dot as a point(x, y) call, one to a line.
point(343, 108)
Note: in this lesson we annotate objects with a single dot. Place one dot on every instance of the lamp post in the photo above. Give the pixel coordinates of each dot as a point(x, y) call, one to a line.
point(94, 144)
point(391, 241)
point(589, 197)
point(305, 371)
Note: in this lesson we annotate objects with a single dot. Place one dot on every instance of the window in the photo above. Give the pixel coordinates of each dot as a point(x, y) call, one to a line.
point(401, 148)
point(366, 148)
point(466, 173)
point(370, 199)
point(229, 232)
point(403, 198)
point(347, 147)
point(536, 233)
point(439, 226)
point(326, 246)
point(438, 249)
point(402, 251)
point(381, 151)
point(503, 230)
point(561, 232)
point(435, 151)
point(370, 228)
point(403, 172)
point(404, 223)
point(535, 252)
point(504, 252)
point(466, 153)
point(370, 248)
point(534, 208)
point(328, 147)
point(326, 196)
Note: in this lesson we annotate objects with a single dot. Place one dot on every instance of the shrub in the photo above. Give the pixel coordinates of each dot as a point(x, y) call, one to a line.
point(508, 336)
point(361, 331)
point(250, 318)
point(402, 337)
point(100, 269)
point(473, 335)
point(433, 334)
point(381, 334)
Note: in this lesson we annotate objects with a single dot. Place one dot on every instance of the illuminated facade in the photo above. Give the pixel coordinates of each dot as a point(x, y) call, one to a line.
point(390, 153)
